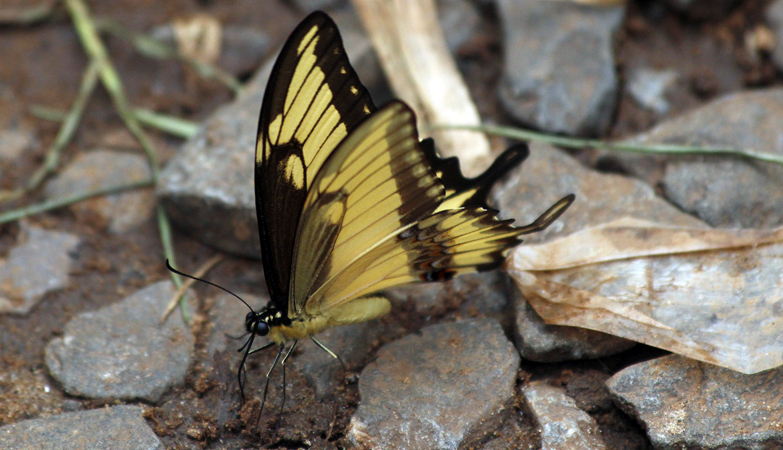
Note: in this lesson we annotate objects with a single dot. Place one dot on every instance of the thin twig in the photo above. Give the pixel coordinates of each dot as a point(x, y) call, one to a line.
point(55, 203)
point(517, 133)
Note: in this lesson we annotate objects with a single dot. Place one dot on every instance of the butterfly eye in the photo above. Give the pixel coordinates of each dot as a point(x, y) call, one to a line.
point(262, 329)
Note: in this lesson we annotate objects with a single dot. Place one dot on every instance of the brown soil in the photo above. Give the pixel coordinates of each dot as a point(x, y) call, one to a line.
point(46, 70)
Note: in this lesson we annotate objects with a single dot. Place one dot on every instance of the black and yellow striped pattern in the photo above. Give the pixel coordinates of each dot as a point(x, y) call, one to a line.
point(350, 202)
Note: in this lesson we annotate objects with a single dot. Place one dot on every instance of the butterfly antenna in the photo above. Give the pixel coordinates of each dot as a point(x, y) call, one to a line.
point(168, 266)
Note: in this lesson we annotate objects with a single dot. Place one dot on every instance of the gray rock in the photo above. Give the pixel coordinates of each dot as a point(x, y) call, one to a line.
point(476, 294)
point(122, 350)
point(460, 22)
point(540, 342)
point(207, 188)
point(40, 263)
point(559, 72)
point(350, 342)
point(119, 427)
point(722, 191)
point(648, 88)
point(443, 388)
point(703, 9)
point(563, 426)
point(102, 169)
point(549, 174)
point(683, 403)
point(774, 16)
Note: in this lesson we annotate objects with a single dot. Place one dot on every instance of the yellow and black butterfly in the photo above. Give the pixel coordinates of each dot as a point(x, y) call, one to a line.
point(350, 202)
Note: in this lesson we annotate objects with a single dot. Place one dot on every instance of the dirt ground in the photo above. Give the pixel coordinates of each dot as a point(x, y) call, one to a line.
point(48, 62)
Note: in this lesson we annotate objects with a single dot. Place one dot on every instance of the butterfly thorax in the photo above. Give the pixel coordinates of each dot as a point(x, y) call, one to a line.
point(278, 327)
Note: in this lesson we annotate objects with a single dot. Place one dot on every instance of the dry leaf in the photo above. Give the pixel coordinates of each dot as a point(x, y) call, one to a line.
point(710, 294)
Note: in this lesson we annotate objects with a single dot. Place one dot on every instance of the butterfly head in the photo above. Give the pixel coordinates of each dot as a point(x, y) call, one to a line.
point(255, 324)
point(261, 322)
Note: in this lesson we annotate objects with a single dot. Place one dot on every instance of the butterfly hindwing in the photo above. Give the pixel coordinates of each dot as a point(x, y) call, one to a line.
point(313, 100)
point(470, 192)
point(377, 182)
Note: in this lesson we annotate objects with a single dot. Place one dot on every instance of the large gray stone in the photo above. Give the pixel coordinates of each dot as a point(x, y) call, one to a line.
point(683, 403)
point(117, 428)
point(563, 426)
point(122, 350)
point(722, 191)
point(440, 389)
point(559, 72)
point(38, 264)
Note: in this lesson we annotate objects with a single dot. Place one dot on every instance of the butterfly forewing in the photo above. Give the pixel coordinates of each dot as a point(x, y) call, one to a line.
point(376, 182)
point(313, 101)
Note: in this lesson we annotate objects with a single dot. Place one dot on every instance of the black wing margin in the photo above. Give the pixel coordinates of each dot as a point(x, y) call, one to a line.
point(312, 101)
point(470, 192)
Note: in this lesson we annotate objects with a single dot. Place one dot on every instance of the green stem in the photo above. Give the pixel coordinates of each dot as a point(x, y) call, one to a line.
point(55, 203)
point(516, 133)
point(68, 127)
point(111, 81)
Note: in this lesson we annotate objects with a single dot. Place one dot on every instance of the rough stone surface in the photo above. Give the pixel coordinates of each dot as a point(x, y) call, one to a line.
point(440, 389)
point(102, 169)
point(350, 342)
point(207, 188)
point(774, 16)
point(683, 403)
point(559, 72)
point(563, 426)
point(122, 350)
point(38, 264)
point(540, 342)
point(476, 294)
point(118, 428)
point(648, 88)
point(722, 191)
point(549, 174)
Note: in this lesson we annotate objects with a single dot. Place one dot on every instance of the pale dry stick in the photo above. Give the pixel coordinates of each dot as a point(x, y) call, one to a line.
point(206, 267)
point(413, 52)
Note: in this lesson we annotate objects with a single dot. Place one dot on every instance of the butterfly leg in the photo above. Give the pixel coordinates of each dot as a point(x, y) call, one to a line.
point(282, 404)
point(331, 353)
point(266, 386)
point(242, 372)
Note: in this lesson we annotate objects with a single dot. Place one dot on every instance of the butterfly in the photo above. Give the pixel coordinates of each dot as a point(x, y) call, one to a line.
point(350, 202)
